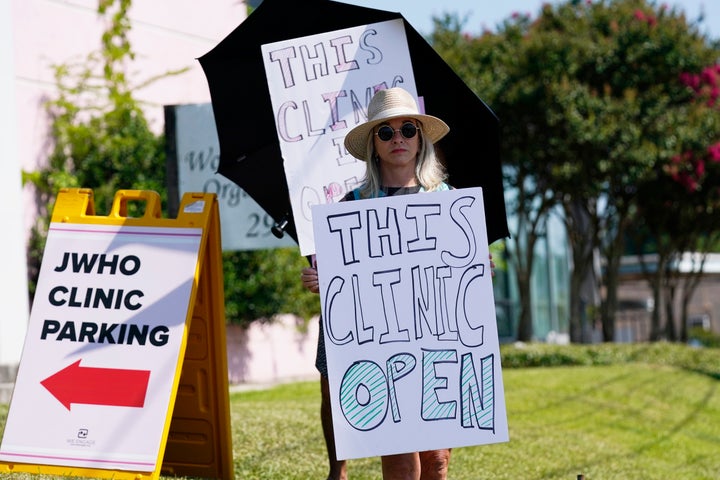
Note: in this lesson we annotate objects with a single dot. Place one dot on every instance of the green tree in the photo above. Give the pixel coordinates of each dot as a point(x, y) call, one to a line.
point(678, 209)
point(677, 220)
point(622, 110)
point(491, 65)
point(590, 101)
point(631, 115)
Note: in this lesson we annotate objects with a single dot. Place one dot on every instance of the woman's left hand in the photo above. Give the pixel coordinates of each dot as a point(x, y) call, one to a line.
point(309, 277)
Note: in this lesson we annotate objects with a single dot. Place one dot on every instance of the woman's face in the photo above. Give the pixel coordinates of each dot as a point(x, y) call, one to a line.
point(399, 150)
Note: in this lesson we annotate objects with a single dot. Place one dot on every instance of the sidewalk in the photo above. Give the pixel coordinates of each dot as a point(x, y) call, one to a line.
point(248, 387)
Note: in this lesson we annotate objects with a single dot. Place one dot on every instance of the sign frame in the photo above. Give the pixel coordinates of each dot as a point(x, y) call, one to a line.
point(198, 402)
point(409, 323)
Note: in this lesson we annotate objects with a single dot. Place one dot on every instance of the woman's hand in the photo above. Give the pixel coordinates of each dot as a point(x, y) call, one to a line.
point(309, 277)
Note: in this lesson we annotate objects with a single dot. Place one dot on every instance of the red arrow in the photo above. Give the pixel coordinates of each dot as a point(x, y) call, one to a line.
point(98, 386)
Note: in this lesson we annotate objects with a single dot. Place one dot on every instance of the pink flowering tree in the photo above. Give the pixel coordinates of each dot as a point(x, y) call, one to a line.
point(679, 207)
point(592, 110)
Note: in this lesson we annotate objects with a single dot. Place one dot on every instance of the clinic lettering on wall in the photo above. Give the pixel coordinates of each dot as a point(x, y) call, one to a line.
point(204, 162)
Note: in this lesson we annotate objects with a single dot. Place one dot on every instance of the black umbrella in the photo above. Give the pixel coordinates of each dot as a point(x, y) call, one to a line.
point(250, 153)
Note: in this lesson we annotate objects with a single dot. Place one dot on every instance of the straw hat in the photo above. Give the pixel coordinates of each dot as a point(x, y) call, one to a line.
point(386, 105)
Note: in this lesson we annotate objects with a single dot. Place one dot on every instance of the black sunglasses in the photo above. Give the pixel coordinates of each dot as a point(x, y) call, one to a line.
point(386, 132)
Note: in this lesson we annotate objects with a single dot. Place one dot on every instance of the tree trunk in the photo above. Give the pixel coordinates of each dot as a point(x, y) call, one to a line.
point(576, 313)
point(531, 224)
point(656, 282)
point(582, 293)
point(582, 234)
point(525, 326)
point(609, 305)
point(692, 280)
point(613, 256)
point(523, 271)
point(670, 291)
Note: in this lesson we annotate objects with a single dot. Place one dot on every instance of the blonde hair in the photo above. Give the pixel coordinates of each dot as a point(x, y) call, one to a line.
point(429, 171)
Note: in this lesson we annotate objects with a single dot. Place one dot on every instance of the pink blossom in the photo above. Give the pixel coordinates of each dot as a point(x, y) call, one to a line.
point(643, 17)
point(691, 80)
point(709, 76)
point(714, 151)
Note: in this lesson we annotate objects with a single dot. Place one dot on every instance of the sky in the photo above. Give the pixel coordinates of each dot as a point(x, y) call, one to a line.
point(486, 14)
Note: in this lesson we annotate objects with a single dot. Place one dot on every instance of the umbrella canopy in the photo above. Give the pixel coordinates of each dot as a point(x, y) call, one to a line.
point(250, 153)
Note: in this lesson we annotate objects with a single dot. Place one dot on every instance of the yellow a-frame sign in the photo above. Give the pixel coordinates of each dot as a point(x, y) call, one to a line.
point(124, 368)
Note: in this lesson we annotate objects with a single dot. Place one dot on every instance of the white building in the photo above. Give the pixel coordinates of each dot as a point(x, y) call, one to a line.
point(166, 35)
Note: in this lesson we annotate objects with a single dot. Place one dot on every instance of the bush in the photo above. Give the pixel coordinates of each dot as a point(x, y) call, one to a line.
point(702, 337)
point(260, 284)
point(701, 360)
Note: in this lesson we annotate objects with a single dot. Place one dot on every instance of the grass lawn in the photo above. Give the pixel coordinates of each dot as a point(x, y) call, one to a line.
point(626, 420)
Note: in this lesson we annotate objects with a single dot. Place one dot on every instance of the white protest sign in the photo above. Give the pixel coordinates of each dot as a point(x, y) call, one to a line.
point(102, 348)
point(409, 320)
point(320, 86)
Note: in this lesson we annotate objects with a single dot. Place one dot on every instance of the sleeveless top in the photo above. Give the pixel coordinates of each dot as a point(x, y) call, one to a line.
point(390, 191)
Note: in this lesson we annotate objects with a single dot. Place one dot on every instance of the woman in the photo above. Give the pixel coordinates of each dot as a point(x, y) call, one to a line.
point(397, 142)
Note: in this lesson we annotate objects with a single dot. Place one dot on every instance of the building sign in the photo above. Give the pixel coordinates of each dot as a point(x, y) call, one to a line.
point(103, 344)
